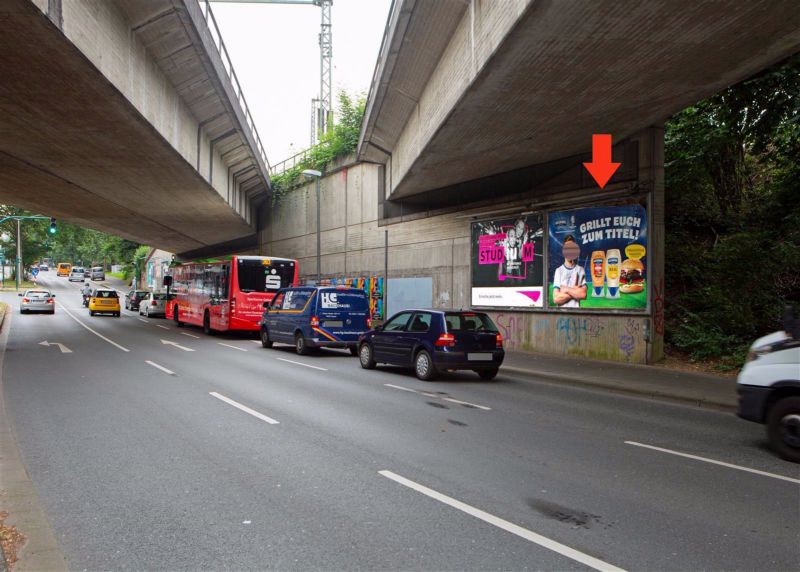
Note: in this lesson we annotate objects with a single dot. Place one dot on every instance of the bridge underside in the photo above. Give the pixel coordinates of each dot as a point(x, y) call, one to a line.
point(563, 70)
point(72, 146)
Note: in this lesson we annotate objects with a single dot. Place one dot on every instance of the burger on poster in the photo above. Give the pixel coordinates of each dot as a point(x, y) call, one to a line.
point(631, 279)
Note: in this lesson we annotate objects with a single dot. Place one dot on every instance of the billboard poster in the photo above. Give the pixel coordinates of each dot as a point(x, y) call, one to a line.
point(508, 262)
point(597, 257)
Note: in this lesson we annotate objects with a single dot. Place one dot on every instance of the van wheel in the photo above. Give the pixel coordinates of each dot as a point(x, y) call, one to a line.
point(783, 428)
point(365, 356)
point(423, 366)
point(265, 341)
point(487, 374)
point(300, 345)
point(353, 350)
point(207, 324)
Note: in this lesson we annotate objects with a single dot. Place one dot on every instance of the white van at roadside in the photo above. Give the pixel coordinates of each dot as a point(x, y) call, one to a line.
point(769, 388)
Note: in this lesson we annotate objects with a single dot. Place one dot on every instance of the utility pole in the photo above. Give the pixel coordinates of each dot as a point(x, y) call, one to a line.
point(325, 110)
point(19, 254)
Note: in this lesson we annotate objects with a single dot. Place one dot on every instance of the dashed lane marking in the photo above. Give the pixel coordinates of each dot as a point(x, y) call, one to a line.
point(162, 368)
point(301, 363)
point(244, 408)
point(436, 396)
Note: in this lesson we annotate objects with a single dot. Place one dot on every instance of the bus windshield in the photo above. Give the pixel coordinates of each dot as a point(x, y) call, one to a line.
point(256, 276)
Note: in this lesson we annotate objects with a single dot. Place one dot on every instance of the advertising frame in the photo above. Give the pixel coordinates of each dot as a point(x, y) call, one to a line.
point(642, 198)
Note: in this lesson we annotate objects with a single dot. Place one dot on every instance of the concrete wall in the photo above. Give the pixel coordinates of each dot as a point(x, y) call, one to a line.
point(438, 247)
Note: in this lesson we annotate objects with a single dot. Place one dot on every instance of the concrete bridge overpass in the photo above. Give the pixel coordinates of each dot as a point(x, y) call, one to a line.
point(464, 90)
point(126, 116)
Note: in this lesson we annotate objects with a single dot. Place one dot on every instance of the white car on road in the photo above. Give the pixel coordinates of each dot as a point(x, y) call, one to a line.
point(37, 301)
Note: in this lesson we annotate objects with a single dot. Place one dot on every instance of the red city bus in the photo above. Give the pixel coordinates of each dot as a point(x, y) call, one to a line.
point(227, 294)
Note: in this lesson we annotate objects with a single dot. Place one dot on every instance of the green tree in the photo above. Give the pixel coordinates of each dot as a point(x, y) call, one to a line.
point(733, 218)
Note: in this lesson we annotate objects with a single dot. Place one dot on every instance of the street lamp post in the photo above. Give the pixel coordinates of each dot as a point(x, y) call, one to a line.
point(317, 175)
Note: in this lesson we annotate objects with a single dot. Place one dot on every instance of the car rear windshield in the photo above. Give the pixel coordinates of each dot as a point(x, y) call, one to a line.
point(77, 269)
point(37, 293)
point(158, 296)
point(256, 276)
point(97, 269)
point(469, 322)
point(141, 293)
point(106, 294)
point(343, 300)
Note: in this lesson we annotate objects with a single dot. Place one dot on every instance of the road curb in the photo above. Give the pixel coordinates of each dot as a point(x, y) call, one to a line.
point(702, 402)
point(18, 495)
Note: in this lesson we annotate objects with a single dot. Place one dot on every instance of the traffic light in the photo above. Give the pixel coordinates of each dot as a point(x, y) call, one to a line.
point(53, 225)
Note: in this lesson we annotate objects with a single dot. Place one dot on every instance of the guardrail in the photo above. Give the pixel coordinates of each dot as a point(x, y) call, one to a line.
point(205, 8)
point(292, 161)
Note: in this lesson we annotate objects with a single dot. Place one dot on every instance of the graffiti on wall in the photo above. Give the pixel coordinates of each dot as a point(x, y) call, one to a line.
point(658, 308)
point(372, 285)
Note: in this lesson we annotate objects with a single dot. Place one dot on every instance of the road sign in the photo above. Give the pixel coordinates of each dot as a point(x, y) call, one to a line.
point(35, 271)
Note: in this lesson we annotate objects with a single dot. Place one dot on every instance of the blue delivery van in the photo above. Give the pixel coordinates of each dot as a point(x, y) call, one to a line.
point(315, 317)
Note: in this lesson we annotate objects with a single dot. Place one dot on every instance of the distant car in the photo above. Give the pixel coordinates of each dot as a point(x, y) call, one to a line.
point(154, 304)
point(326, 316)
point(432, 341)
point(104, 301)
point(98, 273)
point(37, 301)
point(134, 297)
point(44, 268)
point(76, 274)
point(87, 272)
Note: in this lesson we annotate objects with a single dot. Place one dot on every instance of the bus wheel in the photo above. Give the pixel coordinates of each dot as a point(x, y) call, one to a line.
point(300, 345)
point(207, 324)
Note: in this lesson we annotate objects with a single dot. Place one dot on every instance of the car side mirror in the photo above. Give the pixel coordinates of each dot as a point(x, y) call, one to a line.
point(52, 295)
point(20, 294)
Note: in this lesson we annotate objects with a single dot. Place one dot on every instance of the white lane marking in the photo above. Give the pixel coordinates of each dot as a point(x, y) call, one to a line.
point(177, 345)
point(434, 395)
point(301, 363)
point(160, 326)
point(256, 342)
point(529, 535)
point(244, 408)
point(155, 365)
point(713, 462)
point(143, 320)
point(98, 334)
point(233, 347)
point(64, 349)
point(467, 403)
point(190, 335)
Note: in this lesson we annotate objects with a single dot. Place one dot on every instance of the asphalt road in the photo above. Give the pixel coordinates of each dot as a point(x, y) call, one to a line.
point(332, 467)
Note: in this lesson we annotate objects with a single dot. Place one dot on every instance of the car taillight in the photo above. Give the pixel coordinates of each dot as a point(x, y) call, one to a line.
point(152, 302)
point(315, 321)
point(26, 300)
point(49, 300)
point(446, 340)
point(499, 343)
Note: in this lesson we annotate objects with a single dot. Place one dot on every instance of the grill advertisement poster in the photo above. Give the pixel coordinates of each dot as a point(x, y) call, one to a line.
point(598, 258)
point(508, 262)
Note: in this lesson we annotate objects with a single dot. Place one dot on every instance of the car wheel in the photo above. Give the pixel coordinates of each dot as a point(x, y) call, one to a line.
point(118, 314)
point(207, 324)
point(265, 341)
point(487, 374)
point(300, 345)
point(52, 311)
point(423, 366)
point(21, 311)
point(783, 428)
point(365, 356)
point(91, 312)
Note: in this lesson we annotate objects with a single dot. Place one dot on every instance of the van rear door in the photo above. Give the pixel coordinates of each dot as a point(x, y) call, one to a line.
point(343, 313)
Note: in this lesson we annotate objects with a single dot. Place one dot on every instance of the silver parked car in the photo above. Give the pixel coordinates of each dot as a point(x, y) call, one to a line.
point(76, 274)
point(98, 273)
point(87, 272)
point(37, 301)
point(154, 304)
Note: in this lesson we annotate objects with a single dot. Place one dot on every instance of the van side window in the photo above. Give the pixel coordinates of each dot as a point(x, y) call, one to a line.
point(277, 302)
point(296, 299)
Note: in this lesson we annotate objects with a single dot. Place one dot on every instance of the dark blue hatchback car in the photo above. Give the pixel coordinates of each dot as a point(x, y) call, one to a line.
point(314, 317)
point(431, 341)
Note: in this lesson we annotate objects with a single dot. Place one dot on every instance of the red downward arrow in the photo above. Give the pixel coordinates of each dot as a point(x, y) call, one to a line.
point(601, 167)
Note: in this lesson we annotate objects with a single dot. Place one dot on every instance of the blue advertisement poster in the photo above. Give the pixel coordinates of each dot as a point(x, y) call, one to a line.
point(598, 257)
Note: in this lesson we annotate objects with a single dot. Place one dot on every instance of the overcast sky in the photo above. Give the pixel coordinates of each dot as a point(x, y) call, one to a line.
point(275, 52)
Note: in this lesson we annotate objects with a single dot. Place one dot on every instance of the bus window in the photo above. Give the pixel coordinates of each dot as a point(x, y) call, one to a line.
point(255, 276)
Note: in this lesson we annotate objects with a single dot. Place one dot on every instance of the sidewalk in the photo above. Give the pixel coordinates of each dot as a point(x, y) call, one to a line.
point(698, 389)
